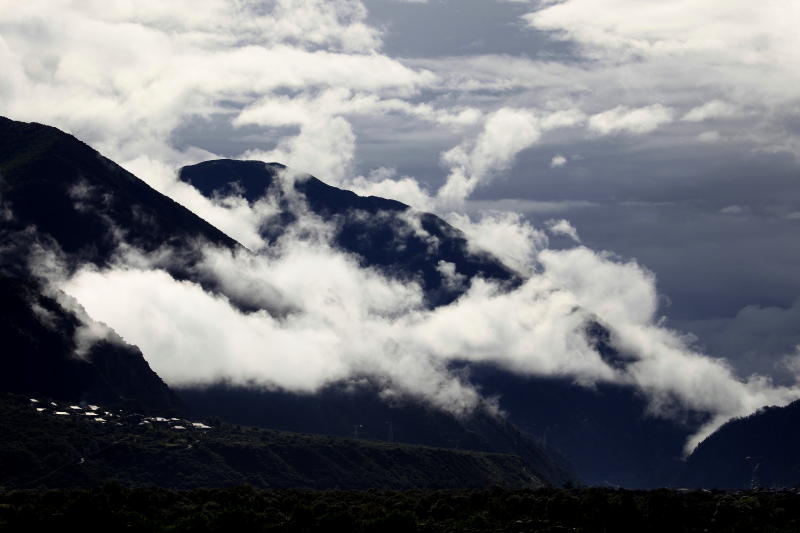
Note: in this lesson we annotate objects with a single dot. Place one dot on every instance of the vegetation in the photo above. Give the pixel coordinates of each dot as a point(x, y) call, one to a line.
point(116, 508)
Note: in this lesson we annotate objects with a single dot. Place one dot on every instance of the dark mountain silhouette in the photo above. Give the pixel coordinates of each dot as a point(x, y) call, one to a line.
point(376, 230)
point(348, 412)
point(39, 355)
point(758, 451)
point(60, 197)
point(84, 202)
point(603, 430)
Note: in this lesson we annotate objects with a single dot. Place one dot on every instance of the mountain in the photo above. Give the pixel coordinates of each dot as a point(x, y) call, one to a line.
point(41, 356)
point(84, 202)
point(603, 432)
point(385, 234)
point(761, 450)
point(56, 193)
point(64, 203)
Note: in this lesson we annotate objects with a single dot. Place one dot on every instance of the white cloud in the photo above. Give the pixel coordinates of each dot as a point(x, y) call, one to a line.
point(730, 31)
point(327, 319)
point(558, 161)
point(125, 77)
point(623, 296)
point(506, 132)
point(712, 59)
point(563, 227)
point(385, 183)
point(506, 235)
point(710, 110)
point(625, 120)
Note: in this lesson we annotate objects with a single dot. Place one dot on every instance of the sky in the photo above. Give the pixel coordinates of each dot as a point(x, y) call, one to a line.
point(662, 133)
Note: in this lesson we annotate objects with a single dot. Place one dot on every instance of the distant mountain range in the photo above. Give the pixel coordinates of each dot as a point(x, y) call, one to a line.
point(58, 193)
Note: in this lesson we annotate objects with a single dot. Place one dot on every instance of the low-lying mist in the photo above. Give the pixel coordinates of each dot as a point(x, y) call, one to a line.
point(299, 314)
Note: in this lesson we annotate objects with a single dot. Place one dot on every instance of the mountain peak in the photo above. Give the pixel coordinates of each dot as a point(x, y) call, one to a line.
point(383, 233)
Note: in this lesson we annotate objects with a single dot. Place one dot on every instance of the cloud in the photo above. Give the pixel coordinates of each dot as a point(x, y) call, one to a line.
point(385, 183)
point(558, 161)
point(323, 318)
point(625, 120)
point(666, 367)
point(505, 133)
point(325, 145)
point(126, 79)
point(734, 210)
point(563, 227)
point(723, 56)
point(302, 77)
point(729, 31)
point(710, 110)
point(709, 136)
point(506, 235)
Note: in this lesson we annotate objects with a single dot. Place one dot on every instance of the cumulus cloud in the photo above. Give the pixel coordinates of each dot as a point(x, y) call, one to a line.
point(718, 58)
point(325, 145)
point(506, 132)
point(563, 226)
point(558, 161)
point(729, 31)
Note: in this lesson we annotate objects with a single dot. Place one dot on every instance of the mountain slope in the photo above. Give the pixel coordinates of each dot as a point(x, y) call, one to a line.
point(761, 450)
point(63, 205)
point(45, 450)
point(85, 202)
point(40, 354)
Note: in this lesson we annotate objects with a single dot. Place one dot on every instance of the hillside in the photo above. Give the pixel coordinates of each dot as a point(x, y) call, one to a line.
point(50, 446)
point(41, 353)
point(761, 450)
